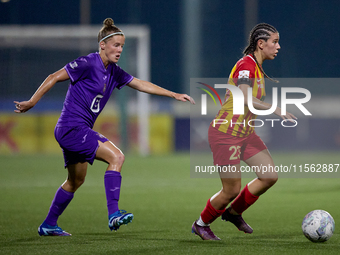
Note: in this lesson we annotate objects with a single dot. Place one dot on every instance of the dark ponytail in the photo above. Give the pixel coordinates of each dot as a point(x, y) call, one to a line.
point(260, 31)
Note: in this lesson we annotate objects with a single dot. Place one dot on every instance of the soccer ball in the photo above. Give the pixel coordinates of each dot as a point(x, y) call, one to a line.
point(318, 226)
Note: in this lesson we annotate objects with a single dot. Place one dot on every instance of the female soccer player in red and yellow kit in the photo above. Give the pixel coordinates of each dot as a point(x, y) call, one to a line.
point(232, 138)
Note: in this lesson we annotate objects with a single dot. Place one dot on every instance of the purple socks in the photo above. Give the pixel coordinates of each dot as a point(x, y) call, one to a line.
point(61, 200)
point(112, 182)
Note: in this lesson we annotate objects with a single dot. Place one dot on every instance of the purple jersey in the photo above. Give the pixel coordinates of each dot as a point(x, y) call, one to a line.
point(90, 88)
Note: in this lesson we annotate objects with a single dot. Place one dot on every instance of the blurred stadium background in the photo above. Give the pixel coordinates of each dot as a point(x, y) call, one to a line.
point(188, 38)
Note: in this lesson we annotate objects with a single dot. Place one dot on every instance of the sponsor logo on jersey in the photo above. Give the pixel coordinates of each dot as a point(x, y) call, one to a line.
point(244, 74)
point(73, 65)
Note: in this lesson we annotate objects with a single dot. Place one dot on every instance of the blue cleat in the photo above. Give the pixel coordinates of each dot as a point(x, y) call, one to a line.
point(48, 230)
point(118, 218)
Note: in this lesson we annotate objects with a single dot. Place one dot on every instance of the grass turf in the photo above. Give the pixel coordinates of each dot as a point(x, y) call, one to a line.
point(165, 201)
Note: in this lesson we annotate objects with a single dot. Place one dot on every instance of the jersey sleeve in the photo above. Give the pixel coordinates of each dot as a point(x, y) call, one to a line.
point(244, 73)
point(77, 69)
point(122, 77)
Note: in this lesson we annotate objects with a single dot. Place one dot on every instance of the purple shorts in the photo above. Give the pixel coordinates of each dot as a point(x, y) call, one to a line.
point(79, 144)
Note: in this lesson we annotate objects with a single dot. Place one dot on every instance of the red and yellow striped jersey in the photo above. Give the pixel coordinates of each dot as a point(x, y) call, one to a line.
point(245, 71)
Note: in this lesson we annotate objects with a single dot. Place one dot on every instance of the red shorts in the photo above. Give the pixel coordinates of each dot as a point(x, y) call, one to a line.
point(230, 150)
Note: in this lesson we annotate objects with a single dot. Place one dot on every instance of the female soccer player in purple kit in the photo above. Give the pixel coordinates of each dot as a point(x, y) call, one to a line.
point(93, 78)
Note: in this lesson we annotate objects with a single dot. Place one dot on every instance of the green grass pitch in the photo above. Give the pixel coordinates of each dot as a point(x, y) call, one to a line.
point(165, 201)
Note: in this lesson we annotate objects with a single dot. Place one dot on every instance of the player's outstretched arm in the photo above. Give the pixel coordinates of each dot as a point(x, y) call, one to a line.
point(48, 83)
point(260, 105)
point(150, 88)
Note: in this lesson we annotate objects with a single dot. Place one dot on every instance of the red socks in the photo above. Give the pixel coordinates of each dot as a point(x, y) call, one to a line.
point(240, 204)
point(209, 214)
point(243, 200)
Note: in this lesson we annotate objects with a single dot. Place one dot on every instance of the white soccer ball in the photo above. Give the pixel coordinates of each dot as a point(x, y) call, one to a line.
point(318, 226)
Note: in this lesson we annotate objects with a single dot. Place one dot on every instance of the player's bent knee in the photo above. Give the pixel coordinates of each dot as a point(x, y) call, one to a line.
point(270, 181)
point(230, 194)
point(121, 158)
point(73, 185)
point(115, 161)
point(117, 158)
point(80, 182)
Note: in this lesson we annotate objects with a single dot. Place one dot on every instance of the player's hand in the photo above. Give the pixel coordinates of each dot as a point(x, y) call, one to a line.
point(23, 106)
point(183, 98)
point(288, 116)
